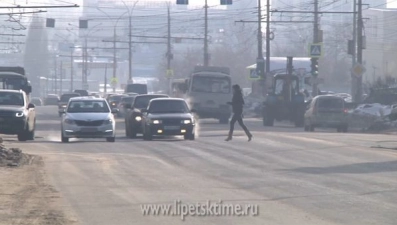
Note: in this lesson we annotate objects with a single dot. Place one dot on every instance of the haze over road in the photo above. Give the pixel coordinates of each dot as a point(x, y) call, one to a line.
point(295, 177)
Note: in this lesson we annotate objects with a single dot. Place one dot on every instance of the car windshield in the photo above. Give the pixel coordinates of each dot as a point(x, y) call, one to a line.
point(127, 99)
point(329, 103)
point(65, 98)
point(9, 98)
point(85, 106)
point(168, 106)
point(141, 102)
point(115, 98)
point(210, 84)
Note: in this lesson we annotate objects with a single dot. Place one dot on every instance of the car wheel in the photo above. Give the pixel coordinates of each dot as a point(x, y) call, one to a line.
point(111, 139)
point(64, 139)
point(127, 130)
point(311, 128)
point(307, 128)
point(189, 137)
point(132, 133)
point(31, 135)
point(23, 135)
point(147, 136)
point(344, 129)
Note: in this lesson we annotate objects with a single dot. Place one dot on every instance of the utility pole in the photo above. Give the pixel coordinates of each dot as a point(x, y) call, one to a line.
point(114, 59)
point(169, 54)
point(85, 58)
point(61, 77)
point(354, 53)
point(71, 70)
point(206, 55)
point(260, 63)
point(358, 94)
point(106, 79)
point(54, 82)
point(267, 77)
point(315, 41)
point(130, 53)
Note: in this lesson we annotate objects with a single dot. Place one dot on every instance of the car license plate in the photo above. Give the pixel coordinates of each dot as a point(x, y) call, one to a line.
point(171, 127)
point(89, 129)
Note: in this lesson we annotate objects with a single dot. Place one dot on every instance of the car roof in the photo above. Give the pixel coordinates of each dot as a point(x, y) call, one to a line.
point(11, 91)
point(328, 97)
point(168, 99)
point(87, 98)
point(160, 95)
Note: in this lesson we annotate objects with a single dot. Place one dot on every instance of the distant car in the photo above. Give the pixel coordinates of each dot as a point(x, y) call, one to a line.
point(63, 102)
point(114, 100)
point(326, 111)
point(36, 101)
point(168, 117)
point(136, 88)
point(82, 92)
point(125, 101)
point(88, 117)
point(51, 99)
point(133, 116)
point(17, 115)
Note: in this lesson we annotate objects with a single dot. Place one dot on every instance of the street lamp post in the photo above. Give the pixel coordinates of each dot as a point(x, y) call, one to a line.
point(114, 45)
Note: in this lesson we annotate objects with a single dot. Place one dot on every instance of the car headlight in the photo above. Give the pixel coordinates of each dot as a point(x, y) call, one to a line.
point(19, 114)
point(186, 121)
point(69, 121)
point(63, 106)
point(138, 118)
point(113, 103)
point(108, 121)
point(156, 121)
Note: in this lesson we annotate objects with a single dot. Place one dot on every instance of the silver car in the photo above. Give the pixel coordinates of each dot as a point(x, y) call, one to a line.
point(88, 117)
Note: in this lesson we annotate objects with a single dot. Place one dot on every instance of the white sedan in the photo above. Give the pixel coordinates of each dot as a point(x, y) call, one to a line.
point(88, 117)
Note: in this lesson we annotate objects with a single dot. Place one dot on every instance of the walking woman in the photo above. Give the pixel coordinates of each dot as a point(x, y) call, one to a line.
point(237, 105)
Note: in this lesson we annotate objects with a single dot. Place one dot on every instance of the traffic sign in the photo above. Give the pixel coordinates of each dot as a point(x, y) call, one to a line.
point(114, 81)
point(254, 75)
point(170, 73)
point(316, 50)
point(358, 70)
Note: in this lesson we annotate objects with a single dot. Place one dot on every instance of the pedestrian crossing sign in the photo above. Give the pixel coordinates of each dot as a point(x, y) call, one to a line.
point(114, 81)
point(170, 73)
point(316, 50)
point(254, 75)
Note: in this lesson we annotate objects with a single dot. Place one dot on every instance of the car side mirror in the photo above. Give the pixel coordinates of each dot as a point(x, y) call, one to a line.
point(63, 111)
point(31, 106)
point(193, 110)
point(127, 106)
point(144, 110)
point(115, 110)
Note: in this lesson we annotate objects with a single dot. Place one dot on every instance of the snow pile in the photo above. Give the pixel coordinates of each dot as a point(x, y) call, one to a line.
point(373, 110)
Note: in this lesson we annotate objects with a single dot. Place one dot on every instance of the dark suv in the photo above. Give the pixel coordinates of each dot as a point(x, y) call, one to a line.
point(63, 102)
point(133, 114)
point(17, 115)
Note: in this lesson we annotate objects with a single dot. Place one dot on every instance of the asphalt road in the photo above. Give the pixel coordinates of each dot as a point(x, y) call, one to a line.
point(294, 177)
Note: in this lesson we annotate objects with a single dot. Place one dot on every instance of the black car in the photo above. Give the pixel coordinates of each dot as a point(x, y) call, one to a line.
point(82, 92)
point(51, 99)
point(63, 102)
point(168, 117)
point(17, 115)
point(133, 114)
point(114, 100)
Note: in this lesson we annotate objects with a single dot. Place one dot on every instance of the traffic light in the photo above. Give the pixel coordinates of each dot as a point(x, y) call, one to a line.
point(83, 24)
point(182, 2)
point(226, 2)
point(50, 22)
point(314, 67)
